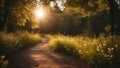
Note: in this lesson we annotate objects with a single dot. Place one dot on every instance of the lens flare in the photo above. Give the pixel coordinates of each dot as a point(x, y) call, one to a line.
point(39, 13)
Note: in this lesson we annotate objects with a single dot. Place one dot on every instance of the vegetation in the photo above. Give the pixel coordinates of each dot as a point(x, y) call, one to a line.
point(71, 17)
point(79, 17)
point(3, 62)
point(98, 51)
point(16, 41)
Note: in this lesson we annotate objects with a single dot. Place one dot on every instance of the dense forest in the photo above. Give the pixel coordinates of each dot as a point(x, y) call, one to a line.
point(70, 25)
point(62, 16)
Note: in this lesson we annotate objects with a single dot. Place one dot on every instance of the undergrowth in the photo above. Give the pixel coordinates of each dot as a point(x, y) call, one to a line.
point(100, 52)
point(14, 42)
point(18, 40)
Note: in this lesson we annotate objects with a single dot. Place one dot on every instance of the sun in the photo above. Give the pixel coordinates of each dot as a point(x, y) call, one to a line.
point(39, 13)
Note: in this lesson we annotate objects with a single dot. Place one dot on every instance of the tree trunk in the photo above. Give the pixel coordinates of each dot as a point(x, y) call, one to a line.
point(112, 9)
point(5, 16)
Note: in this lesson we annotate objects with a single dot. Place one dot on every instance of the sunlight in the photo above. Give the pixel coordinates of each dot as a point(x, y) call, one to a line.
point(39, 13)
point(52, 4)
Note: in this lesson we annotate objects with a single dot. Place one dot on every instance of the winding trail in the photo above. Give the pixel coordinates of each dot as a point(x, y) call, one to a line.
point(40, 56)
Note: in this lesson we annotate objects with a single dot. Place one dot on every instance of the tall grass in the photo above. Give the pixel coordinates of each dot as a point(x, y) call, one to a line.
point(16, 41)
point(13, 42)
point(100, 51)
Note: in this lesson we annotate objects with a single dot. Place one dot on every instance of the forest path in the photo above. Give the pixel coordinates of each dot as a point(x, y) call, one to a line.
point(40, 56)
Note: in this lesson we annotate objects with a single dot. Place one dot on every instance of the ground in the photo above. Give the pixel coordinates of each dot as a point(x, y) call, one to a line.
point(40, 56)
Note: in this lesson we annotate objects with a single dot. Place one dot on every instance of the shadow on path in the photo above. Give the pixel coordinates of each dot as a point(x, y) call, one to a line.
point(40, 56)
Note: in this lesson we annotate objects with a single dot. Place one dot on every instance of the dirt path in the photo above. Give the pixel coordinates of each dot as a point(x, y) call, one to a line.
point(40, 56)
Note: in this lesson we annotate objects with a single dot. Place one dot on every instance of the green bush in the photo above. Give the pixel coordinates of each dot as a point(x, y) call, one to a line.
point(100, 52)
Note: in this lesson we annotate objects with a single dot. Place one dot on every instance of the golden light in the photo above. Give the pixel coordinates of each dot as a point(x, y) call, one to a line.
point(39, 13)
point(52, 4)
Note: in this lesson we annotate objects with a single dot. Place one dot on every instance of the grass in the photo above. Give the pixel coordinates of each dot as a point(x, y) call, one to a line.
point(17, 41)
point(100, 52)
point(14, 42)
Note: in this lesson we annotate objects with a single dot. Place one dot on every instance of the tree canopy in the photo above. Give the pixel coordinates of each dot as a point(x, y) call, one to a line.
point(69, 15)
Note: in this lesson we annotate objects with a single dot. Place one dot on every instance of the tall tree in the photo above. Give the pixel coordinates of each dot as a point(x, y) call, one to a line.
point(114, 6)
point(17, 9)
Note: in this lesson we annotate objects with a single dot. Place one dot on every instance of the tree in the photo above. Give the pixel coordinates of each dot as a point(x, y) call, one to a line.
point(89, 7)
point(17, 10)
point(113, 8)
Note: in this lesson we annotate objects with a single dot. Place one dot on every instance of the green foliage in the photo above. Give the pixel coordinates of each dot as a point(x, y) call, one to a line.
point(3, 63)
point(78, 16)
point(16, 41)
point(107, 28)
point(101, 51)
point(89, 7)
